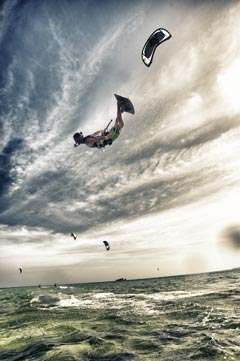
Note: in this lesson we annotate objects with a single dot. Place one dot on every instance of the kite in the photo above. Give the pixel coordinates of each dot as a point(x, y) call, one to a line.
point(107, 245)
point(156, 38)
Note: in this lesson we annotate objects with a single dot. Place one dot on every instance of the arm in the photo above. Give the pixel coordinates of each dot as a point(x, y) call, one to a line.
point(90, 141)
point(96, 133)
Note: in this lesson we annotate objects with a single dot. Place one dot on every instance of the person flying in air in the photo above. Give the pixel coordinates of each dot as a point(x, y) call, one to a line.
point(101, 138)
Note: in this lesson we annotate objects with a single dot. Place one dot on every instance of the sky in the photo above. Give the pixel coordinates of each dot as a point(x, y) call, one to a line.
point(166, 194)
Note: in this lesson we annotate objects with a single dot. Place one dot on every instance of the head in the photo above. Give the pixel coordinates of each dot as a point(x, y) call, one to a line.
point(78, 137)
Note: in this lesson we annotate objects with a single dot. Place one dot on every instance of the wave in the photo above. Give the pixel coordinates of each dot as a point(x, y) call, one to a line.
point(45, 301)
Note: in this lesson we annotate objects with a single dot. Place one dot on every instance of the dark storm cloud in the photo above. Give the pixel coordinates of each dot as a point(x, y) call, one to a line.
point(8, 152)
point(126, 204)
point(38, 211)
point(149, 198)
point(211, 129)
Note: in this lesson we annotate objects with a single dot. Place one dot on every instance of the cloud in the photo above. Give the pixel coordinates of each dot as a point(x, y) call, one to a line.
point(6, 170)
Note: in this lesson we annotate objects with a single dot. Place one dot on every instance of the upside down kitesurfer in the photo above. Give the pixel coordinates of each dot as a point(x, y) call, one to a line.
point(101, 138)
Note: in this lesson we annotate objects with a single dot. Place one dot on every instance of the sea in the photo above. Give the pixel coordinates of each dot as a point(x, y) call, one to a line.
point(189, 317)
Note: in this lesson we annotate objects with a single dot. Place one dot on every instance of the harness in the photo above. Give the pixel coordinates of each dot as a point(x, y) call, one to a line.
point(102, 143)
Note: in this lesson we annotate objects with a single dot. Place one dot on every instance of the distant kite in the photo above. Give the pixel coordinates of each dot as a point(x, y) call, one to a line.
point(74, 235)
point(107, 245)
point(20, 270)
point(158, 37)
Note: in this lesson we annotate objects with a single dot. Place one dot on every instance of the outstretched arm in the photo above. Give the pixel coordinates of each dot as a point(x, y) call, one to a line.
point(93, 139)
point(99, 132)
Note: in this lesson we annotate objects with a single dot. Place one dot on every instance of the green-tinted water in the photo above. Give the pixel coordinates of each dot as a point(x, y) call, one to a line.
point(178, 318)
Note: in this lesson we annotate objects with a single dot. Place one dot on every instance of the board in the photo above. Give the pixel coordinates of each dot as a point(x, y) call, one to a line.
point(125, 104)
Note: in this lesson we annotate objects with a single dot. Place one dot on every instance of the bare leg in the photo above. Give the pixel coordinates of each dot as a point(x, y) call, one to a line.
point(119, 120)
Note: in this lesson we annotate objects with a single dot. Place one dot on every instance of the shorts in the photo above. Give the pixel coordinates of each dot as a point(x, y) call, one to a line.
point(114, 132)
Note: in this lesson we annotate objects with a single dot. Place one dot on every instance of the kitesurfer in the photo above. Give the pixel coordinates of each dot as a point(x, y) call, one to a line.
point(101, 138)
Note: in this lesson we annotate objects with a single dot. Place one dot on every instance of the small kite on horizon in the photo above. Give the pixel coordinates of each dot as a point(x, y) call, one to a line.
point(156, 38)
point(107, 245)
point(74, 236)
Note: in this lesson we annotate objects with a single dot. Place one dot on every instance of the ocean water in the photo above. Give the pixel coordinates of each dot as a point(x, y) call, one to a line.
point(193, 317)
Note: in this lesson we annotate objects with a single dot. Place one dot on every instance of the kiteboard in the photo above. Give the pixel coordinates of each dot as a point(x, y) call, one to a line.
point(125, 104)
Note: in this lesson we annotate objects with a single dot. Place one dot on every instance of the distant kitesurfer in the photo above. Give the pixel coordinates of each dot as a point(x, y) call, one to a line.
point(74, 236)
point(20, 270)
point(101, 138)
